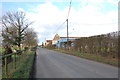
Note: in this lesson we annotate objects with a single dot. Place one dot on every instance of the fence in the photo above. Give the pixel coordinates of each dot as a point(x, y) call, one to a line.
point(8, 67)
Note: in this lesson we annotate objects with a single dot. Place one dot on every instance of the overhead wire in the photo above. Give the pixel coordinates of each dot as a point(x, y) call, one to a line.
point(64, 21)
point(59, 27)
point(69, 9)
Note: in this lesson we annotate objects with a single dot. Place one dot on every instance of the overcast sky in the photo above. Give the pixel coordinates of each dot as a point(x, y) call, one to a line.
point(86, 18)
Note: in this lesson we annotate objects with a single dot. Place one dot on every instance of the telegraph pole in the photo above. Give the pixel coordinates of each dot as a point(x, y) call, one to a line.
point(67, 32)
point(67, 22)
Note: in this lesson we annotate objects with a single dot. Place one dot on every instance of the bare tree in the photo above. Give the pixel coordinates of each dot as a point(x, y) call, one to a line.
point(30, 38)
point(11, 37)
point(14, 24)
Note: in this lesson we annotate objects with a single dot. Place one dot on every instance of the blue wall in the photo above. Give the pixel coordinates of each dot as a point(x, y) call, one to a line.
point(62, 40)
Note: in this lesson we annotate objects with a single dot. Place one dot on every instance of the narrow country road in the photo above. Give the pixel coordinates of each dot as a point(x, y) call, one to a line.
point(51, 64)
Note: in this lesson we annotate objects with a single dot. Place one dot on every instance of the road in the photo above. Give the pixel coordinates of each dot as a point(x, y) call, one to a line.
point(51, 64)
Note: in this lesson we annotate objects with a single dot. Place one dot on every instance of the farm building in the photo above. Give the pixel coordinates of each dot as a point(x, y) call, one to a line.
point(64, 44)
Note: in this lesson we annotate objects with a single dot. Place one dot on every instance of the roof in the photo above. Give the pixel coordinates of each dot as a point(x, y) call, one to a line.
point(70, 37)
point(48, 40)
point(65, 39)
point(56, 37)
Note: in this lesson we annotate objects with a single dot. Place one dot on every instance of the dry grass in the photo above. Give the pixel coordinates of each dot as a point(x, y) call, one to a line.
point(111, 61)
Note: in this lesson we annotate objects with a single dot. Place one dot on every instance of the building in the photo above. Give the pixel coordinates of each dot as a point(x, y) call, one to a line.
point(64, 43)
point(61, 42)
point(48, 42)
point(56, 39)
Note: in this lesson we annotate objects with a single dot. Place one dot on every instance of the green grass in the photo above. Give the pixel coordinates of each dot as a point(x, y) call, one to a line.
point(23, 66)
point(2, 50)
point(93, 57)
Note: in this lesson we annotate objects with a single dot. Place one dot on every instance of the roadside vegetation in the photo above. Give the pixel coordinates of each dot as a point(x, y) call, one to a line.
point(21, 41)
point(2, 50)
point(103, 48)
point(23, 66)
point(98, 58)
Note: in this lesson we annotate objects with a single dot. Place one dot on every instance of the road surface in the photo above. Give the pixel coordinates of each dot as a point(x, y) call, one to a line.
point(51, 64)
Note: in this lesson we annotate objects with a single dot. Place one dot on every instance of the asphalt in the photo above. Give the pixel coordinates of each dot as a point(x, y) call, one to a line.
point(52, 64)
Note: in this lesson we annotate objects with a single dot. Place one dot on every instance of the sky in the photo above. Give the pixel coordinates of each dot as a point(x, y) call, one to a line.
point(86, 17)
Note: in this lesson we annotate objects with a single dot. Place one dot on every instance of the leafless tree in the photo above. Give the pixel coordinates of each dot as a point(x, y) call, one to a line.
point(30, 38)
point(14, 25)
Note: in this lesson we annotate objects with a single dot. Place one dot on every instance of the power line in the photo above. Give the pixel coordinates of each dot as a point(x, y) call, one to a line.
point(65, 20)
point(89, 24)
point(69, 9)
point(59, 27)
point(63, 34)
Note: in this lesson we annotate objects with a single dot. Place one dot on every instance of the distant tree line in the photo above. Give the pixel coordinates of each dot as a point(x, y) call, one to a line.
point(105, 45)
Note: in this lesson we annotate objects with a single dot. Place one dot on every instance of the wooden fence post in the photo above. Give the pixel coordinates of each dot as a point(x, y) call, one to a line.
point(5, 66)
point(15, 60)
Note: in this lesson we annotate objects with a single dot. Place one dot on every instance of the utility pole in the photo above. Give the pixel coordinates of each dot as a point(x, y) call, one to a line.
point(67, 23)
point(45, 42)
point(67, 32)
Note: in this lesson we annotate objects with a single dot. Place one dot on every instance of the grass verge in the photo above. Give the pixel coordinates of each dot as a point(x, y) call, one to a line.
point(2, 50)
point(93, 57)
point(23, 66)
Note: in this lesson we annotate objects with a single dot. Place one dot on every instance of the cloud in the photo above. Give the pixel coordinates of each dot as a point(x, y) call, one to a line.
point(21, 9)
point(113, 1)
point(21, 0)
point(88, 20)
